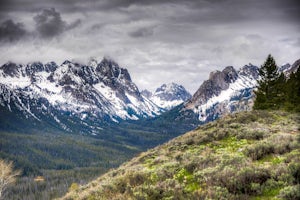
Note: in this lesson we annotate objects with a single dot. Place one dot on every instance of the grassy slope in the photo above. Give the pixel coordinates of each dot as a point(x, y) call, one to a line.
point(250, 155)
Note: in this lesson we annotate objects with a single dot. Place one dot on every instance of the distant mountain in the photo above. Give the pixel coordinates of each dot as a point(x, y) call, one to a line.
point(168, 96)
point(98, 91)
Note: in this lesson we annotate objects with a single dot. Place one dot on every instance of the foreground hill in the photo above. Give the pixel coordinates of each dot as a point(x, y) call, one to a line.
point(249, 155)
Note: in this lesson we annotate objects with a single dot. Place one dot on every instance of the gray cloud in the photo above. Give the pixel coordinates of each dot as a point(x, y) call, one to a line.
point(158, 41)
point(73, 24)
point(49, 23)
point(11, 31)
point(142, 32)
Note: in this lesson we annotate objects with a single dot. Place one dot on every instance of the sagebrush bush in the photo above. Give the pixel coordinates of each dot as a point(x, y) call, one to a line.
point(290, 192)
point(259, 150)
point(243, 181)
point(294, 169)
point(251, 134)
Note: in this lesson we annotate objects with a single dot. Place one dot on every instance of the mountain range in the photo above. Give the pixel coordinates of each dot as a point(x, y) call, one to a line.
point(103, 92)
point(49, 111)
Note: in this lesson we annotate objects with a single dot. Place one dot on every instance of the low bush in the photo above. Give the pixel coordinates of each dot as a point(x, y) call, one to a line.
point(259, 150)
point(244, 181)
point(251, 135)
point(294, 169)
point(290, 192)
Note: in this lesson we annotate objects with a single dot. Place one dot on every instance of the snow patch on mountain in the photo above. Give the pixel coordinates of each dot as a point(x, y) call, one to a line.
point(225, 96)
point(225, 92)
point(103, 89)
point(168, 95)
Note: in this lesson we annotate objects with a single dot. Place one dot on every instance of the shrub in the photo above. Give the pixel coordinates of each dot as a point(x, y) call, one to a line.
point(294, 169)
point(259, 150)
point(290, 192)
point(219, 193)
point(251, 135)
point(246, 118)
point(245, 181)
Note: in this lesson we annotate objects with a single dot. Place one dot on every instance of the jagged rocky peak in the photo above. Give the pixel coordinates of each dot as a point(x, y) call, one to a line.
point(170, 95)
point(93, 62)
point(224, 92)
point(51, 66)
point(34, 67)
point(249, 71)
point(218, 81)
point(295, 66)
point(10, 69)
point(172, 91)
point(224, 77)
point(109, 68)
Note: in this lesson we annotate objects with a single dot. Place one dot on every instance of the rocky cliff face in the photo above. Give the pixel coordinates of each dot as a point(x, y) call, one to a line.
point(224, 92)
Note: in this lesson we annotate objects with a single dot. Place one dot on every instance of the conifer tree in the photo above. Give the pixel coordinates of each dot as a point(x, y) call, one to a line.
point(280, 91)
point(268, 89)
point(292, 90)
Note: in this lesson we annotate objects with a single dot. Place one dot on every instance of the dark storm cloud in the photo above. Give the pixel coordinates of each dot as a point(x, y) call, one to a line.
point(291, 9)
point(11, 31)
point(49, 23)
point(221, 9)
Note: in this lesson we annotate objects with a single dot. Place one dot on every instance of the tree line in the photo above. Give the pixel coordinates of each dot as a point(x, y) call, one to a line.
point(276, 90)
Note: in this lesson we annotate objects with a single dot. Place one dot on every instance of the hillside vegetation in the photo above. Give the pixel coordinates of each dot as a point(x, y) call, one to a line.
point(249, 155)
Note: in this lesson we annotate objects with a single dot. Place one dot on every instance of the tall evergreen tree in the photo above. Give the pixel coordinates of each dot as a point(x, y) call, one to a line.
point(267, 93)
point(292, 91)
point(280, 91)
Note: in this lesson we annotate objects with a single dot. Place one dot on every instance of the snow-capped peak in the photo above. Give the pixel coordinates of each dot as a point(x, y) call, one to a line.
point(103, 89)
point(224, 92)
point(170, 95)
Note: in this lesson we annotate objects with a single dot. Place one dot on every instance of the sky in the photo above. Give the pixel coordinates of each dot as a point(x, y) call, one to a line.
point(158, 41)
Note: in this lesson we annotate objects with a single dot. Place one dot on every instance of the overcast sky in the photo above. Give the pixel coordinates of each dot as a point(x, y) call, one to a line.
point(157, 41)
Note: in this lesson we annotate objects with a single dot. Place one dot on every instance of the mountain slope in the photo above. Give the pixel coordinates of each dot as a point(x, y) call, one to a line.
point(246, 155)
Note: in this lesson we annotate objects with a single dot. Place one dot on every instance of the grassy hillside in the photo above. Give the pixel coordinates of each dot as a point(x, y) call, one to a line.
point(250, 155)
